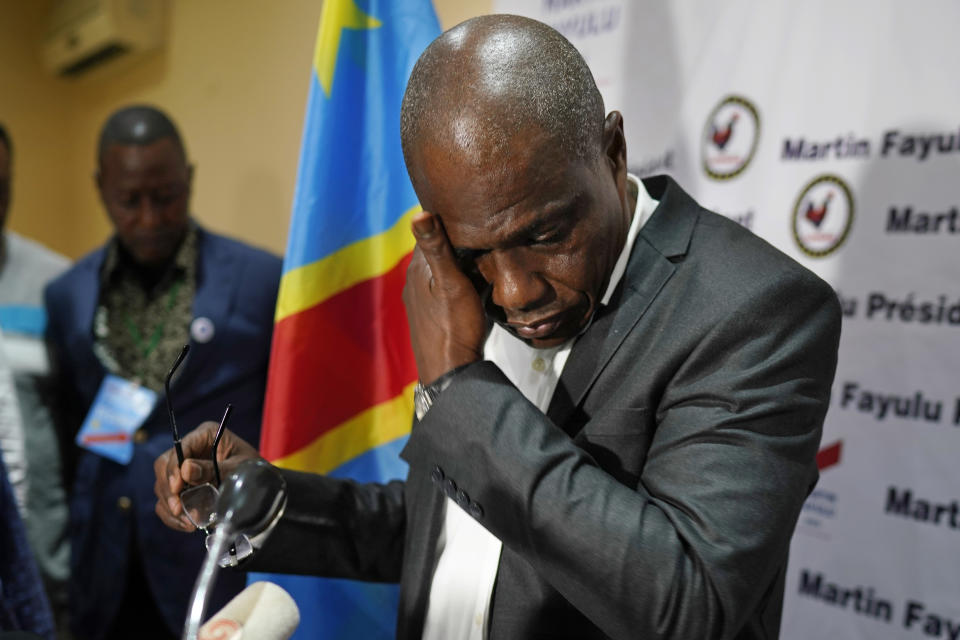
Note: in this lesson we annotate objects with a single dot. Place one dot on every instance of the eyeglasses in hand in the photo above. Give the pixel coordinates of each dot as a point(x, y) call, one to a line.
point(199, 501)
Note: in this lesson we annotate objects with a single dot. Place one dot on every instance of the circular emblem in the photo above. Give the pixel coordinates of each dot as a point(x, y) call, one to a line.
point(730, 138)
point(201, 330)
point(822, 216)
point(222, 629)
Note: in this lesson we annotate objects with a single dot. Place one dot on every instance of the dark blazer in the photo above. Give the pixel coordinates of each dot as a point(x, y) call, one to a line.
point(657, 497)
point(237, 290)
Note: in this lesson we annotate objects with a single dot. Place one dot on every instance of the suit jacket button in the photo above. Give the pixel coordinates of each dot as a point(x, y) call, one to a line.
point(436, 476)
point(140, 436)
point(475, 510)
point(450, 488)
point(124, 503)
point(463, 499)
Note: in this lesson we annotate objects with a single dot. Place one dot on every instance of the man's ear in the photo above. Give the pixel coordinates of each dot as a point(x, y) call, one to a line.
point(190, 178)
point(614, 142)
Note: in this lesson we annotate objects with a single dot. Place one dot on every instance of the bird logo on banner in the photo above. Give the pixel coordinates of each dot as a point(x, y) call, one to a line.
point(721, 135)
point(816, 214)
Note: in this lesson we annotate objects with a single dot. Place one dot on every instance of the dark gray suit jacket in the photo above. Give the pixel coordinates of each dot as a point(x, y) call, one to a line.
point(657, 497)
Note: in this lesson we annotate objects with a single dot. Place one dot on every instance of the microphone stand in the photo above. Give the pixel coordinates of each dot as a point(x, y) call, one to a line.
point(200, 598)
point(251, 501)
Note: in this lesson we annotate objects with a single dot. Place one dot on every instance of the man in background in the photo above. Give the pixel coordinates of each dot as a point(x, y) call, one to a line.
point(118, 321)
point(27, 435)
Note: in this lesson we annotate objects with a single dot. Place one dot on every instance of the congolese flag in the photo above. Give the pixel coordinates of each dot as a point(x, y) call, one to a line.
point(340, 387)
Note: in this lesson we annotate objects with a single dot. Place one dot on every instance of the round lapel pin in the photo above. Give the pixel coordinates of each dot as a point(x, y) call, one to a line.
point(201, 330)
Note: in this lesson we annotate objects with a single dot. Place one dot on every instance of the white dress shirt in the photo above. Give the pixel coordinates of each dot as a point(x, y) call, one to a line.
point(469, 555)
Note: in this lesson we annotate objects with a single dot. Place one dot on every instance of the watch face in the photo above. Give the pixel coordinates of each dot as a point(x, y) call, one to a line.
point(425, 394)
point(421, 400)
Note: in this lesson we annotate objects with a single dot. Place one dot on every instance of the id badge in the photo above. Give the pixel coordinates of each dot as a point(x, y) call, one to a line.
point(119, 409)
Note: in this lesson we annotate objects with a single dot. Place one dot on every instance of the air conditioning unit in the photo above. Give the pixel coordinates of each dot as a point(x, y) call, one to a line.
point(84, 34)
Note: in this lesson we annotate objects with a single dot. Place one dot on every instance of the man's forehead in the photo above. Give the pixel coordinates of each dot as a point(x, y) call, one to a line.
point(473, 139)
point(480, 223)
point(479, 145)
point(157, 158)
point(476, 131)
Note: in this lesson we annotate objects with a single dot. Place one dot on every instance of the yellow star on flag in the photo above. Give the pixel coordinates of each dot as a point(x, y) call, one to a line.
point(337, 16)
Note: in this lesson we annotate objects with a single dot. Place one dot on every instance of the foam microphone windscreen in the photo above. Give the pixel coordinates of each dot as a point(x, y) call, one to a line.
point(262, 611)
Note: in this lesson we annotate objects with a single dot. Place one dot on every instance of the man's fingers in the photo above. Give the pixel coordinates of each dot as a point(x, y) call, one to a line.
point(168, 507)
point(195, 471)
point(424, 225)
point(173, 478)
point(161, 489)
point(435, 247)
point(170, 520)
point(174, 482)
point(199, 441)
point(161, 471)
point(168, 481)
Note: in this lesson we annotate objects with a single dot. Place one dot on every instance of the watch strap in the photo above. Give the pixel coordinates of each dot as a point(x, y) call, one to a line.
point(424, 395)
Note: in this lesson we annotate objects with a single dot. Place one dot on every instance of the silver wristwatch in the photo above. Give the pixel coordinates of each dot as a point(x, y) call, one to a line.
point(425, 394)
point(423, 397)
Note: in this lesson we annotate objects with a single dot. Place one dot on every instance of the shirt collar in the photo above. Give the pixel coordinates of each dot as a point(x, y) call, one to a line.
point(641, 213)
point(183, 261)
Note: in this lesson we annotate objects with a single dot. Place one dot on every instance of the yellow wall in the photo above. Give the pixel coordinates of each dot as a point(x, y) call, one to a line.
point(34, 113)
point(233, 74)
point(234, 77)
point(453, 12)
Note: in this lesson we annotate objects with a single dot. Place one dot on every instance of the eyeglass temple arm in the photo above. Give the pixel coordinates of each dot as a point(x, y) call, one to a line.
point(216, 443)
point(166, 388)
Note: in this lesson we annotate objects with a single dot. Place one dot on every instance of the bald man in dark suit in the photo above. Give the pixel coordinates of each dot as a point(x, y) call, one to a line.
point(621, 393)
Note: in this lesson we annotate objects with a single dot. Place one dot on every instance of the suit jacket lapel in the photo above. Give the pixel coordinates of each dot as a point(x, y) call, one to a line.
point(87, 305)
point(217, 283)
point(86, 309)
point(664, 238)
point(578, 371)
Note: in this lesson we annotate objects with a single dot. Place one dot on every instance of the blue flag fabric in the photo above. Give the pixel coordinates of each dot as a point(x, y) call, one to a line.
point(341, 370)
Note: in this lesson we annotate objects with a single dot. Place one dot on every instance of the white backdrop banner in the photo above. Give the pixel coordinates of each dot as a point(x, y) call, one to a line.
point(832, 129)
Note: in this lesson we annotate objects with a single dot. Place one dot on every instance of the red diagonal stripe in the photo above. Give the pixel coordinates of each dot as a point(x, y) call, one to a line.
point(336, 359)
point(829, 456)
point(96, 438)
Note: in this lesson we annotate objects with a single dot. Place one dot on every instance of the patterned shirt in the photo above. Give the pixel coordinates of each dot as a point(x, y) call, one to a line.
point(139, 331)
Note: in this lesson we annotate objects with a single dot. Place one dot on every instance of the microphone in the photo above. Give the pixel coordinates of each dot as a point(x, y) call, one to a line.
point(251, 501)
point(262, 611)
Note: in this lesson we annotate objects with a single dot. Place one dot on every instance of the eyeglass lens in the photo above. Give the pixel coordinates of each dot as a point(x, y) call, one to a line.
point(199, 505)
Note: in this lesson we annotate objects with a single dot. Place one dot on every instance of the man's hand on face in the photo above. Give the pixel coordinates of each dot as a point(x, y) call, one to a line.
point(172, 479)
point(447, 323)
